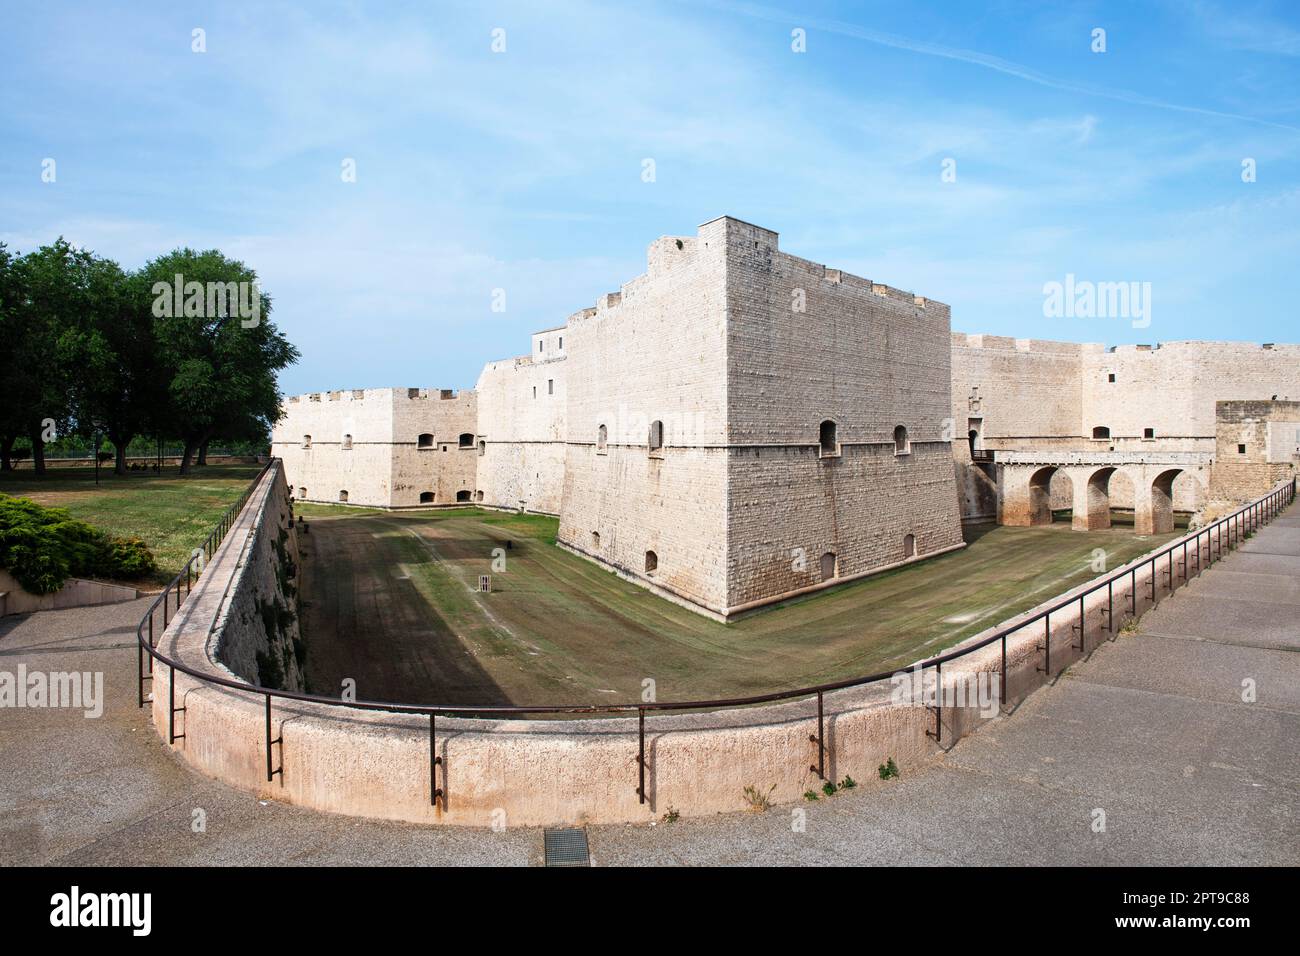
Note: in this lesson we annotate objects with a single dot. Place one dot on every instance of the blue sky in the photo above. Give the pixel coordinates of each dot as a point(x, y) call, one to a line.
point(522, 170)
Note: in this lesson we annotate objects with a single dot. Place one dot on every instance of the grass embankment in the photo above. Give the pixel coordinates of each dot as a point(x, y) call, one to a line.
point(558, 628)
point(171, 514)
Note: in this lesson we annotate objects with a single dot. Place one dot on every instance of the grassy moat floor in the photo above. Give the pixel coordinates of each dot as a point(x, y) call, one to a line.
point(389, 601)
point(171, 514)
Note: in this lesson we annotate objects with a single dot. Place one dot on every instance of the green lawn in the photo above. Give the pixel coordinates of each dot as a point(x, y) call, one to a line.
point(172, 514)
point(558, 628)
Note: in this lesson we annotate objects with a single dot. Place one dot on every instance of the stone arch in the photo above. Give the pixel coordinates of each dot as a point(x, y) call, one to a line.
point(1155, 504)
point(1091, 510)
point(426, 497)
point(1040, 495)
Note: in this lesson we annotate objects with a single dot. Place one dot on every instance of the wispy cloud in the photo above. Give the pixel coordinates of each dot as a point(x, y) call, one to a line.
point(986, 61)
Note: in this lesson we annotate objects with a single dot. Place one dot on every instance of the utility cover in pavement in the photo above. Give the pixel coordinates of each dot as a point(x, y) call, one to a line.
point(566, 847)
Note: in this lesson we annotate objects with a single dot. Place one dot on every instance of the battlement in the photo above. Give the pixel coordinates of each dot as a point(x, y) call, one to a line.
point(378, 394)
point(1008, 344)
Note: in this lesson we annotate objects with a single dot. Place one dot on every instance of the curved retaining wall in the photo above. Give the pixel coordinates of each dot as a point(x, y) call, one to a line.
point(545, 772)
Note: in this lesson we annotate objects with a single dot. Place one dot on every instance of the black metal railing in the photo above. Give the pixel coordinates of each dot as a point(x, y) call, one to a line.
point(1207, 541)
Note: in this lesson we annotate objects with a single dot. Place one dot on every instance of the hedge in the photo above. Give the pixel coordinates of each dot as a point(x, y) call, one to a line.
point(43, 547)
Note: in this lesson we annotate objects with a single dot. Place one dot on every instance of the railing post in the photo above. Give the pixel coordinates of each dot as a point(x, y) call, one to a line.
point(1003, 682)
point(818, 738)
point(938, 704)
point(640, 755)
point(270, 743)
point(171, 705)
point(1110, 606)
point(1083, 641)
point(139, 668)
point(434, 760)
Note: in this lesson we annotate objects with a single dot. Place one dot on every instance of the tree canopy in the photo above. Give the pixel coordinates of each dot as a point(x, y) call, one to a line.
point(183, 347)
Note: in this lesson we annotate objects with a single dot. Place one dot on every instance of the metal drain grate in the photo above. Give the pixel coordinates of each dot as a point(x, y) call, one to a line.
point(566, 847)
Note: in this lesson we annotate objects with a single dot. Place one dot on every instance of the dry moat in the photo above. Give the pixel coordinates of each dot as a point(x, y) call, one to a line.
point(389, 601)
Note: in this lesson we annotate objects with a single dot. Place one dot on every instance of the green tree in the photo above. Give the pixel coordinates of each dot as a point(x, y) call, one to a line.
point(10, 423)
point(49, 289)
point(109, 356)
point(218, 350)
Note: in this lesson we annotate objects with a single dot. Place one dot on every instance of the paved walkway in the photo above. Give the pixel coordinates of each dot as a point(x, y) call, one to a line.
point(1151, 730)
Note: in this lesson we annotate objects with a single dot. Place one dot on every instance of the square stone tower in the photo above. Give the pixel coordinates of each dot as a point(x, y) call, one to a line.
point(744, 425)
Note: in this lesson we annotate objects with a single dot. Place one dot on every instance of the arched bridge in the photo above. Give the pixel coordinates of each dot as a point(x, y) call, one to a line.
point(1025, 478)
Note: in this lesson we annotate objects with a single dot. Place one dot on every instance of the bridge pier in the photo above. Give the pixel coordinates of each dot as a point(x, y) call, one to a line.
point(1091, 498)
point(1025, 480)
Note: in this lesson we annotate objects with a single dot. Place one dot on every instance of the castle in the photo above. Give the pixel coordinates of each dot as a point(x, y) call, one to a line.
point(739, 425)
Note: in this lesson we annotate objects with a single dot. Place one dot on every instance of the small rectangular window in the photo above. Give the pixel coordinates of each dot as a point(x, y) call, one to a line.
point(1110, 377)
point(1148, 433)
point(561, 342)
point(1241, 449)
point(550, 386)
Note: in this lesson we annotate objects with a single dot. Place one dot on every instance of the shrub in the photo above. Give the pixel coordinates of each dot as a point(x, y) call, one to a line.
point(128, 558)
point(43, 547)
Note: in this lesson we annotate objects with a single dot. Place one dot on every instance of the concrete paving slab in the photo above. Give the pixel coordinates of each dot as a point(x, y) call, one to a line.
point(1202, 669)
point(1245, 585)
point(1227, 620)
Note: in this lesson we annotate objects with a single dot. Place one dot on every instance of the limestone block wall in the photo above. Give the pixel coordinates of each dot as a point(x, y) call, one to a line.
point(1008, 388)
point(522, 414)
point(319, 468)
point(447, 468)
point(655, 351)
point(365, 442)
point(257, 634)
point(798, 521)
point(1257, 445)
point(807, 345)
point(977, 490)
point(1172, 388)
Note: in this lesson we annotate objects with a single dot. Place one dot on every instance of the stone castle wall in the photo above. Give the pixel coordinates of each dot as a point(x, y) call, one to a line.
point(740, 351)
point(808, 345)
point(366, 443)
point(1257, 445)
point(1015, 388)
point(655, 351)
point(1172, 388)
point(522, 415)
